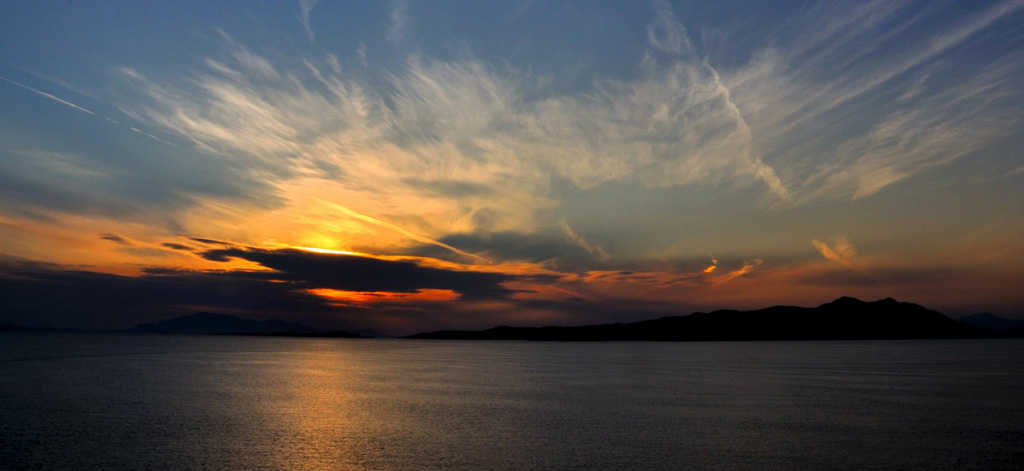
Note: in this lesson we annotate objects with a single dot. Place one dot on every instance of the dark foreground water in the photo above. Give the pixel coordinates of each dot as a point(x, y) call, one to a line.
point(176, 402)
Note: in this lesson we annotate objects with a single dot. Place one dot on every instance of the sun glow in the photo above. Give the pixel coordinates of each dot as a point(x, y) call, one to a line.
point(330, 251)
point(343, 297)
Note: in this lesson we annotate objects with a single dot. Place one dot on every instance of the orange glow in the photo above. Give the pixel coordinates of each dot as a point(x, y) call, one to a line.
point(330, 251)
point(710, 269)
point(637, 278)
point(373, 297)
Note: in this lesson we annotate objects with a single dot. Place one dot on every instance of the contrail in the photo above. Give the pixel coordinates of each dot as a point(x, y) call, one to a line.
point(399, 230)
point(47, 95)
point(79, 108)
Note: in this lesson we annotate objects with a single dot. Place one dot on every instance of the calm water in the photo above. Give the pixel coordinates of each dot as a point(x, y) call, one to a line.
point(80, 401)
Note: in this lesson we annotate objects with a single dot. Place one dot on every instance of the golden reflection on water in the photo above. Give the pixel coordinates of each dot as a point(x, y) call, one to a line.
point(320, 424)
point(97, 402)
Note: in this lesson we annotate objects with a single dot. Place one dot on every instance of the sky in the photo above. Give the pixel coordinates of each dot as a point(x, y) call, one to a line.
point(409, 166)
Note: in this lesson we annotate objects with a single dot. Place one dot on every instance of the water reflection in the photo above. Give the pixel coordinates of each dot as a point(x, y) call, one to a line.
point(308, 410)
point(132, 402)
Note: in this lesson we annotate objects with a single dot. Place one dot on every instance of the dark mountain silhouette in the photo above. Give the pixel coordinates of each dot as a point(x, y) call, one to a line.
point(333, 334)
point(207, 323)
point(17, 328)
point(29, 328)
point(992, 322)
point(368, 333)
point(211, 323)
point(842, 319)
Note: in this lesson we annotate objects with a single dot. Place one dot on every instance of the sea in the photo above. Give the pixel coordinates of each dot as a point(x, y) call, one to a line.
point(120, 401)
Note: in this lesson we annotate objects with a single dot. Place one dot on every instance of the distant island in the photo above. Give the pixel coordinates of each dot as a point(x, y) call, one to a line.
point(843, 319)
point(223, 324)
point(15, 328)
point(994, 323)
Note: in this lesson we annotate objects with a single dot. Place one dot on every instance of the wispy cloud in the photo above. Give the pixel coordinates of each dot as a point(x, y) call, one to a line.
point(666, 34)
point(748, 266)
point(849, 109)
point(456, 125)
point(115, 238)
point(399, 19)
point(579, 240)
point(361, 53)
point(413, 145)
point(711, 268)
point(841, 251)
point(305, 7)
point(694, 279)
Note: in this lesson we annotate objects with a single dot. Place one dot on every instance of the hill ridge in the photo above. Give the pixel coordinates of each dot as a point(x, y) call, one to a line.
point(216, 323)
point(845, 318)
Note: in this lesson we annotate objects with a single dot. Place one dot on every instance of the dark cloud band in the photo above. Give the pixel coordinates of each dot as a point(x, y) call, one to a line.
point(358, 273)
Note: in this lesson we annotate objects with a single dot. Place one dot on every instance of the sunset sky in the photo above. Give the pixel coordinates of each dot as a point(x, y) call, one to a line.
point(409, 166)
